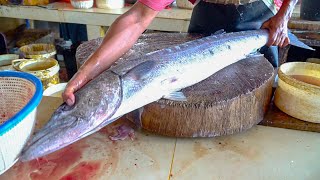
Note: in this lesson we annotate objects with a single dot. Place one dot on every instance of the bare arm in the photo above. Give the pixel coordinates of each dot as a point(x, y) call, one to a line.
point(278, 24)
point(121, 36)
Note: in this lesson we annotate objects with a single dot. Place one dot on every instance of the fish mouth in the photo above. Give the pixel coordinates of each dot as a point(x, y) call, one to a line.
point(49, 140)
point(69, 124)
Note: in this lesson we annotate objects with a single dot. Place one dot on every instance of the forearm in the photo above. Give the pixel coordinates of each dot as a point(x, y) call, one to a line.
point(121, 36)
point(278, 24)
point(286, 9)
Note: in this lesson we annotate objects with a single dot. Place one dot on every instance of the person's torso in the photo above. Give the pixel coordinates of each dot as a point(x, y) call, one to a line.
point(273, 5)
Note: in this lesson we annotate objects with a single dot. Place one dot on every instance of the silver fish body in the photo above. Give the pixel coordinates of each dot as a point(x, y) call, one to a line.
point(162, 72)
point(131, 85)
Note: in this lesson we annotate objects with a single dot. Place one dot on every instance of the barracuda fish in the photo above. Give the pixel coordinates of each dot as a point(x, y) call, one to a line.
point(130, 85)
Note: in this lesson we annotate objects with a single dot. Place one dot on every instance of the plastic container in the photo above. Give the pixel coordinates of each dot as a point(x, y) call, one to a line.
point(6, 59)
point(313, 60)
point(55, 90)
point(36, 2)
point(20, 94)
point(110, 4)
point(38, 51)
point(47, 70)
point(298, 91)
point(82, 4)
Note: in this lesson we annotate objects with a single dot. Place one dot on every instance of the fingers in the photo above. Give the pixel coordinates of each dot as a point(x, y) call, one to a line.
point(287, 42)
point(76, 82)
point(278, 39)
point(265, 25)
point(282, 41)
point(272, 39)
point(277, 32)
point(272, 34)
point(68, 95)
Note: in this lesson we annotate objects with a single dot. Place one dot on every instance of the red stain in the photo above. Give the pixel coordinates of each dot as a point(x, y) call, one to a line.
point(56, 164)
point(83, 171)
point(105, 131)
point(50, 167)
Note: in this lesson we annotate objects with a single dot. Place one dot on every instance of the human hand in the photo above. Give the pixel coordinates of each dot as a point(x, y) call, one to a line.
point(278, 31)
point(68, 94)
point(73, 85)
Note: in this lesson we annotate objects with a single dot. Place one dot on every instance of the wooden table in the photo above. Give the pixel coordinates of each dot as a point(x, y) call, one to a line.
point(259, 153)
point(174, 19)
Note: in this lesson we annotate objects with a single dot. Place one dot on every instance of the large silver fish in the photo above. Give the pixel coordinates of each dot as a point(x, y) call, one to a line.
point(131, 85)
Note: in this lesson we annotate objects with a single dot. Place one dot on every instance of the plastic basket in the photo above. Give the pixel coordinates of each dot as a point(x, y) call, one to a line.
point(20, 94)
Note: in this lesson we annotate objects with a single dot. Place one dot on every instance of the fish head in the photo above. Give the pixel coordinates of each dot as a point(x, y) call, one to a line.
point(95, 104)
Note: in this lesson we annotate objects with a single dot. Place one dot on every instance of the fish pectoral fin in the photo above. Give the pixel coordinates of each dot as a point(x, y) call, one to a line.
point(176, 96)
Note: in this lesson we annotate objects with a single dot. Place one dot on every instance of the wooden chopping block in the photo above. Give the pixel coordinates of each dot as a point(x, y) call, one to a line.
point(230, 101)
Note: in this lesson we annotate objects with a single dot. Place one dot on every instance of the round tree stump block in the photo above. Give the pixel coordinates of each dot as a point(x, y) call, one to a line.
point(230, 101)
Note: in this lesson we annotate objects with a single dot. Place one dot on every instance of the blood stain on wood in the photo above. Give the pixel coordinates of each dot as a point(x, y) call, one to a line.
point(237, 147)
point(199, 150)
point(50, 167)
point(83, 171)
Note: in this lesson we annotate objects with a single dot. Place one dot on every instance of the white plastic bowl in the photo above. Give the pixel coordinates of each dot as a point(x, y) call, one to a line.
point(82, 4)
point(5, 59)
point(20, 94)
point(55, 90)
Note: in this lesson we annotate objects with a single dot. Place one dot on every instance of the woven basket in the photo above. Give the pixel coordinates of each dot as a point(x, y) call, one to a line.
point(20, 94)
